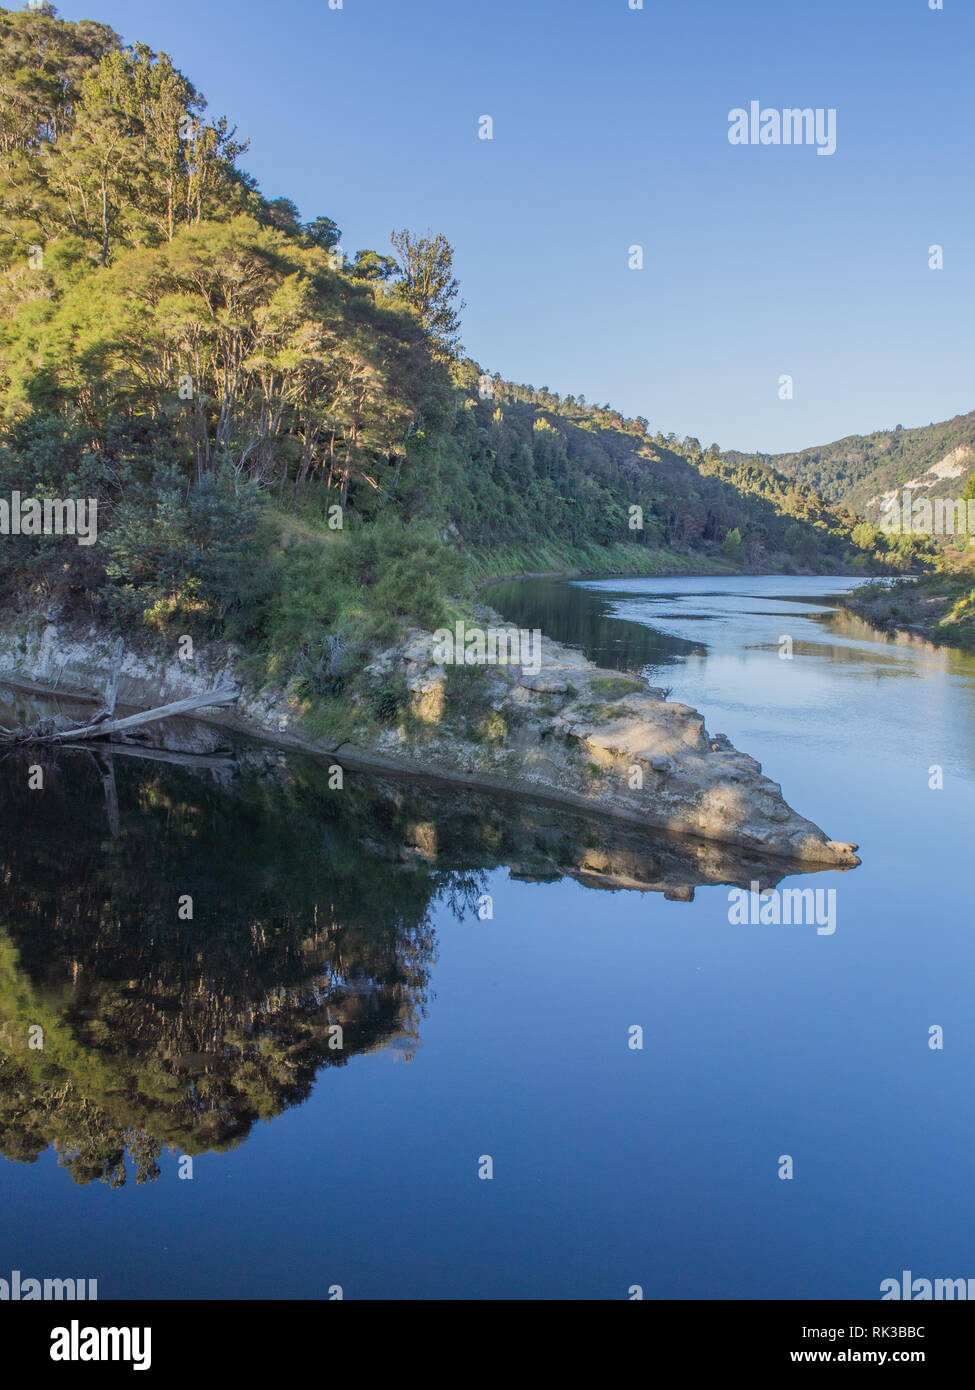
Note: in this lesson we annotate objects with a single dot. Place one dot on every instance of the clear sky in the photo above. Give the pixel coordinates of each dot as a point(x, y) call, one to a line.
point(611, 130)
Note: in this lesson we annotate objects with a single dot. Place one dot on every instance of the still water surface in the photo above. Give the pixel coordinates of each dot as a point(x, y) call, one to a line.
point(314, 909)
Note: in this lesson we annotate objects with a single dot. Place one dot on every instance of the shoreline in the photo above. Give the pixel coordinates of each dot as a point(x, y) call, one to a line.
point(605, 574)
point(919, 610)
point(723, 573)
point(576, 750)
point(357, 758)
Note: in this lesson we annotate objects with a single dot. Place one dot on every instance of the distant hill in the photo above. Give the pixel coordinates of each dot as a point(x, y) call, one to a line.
point(863, 471)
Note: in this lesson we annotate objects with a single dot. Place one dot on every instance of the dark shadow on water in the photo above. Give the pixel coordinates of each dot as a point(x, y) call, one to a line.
point(582, 618)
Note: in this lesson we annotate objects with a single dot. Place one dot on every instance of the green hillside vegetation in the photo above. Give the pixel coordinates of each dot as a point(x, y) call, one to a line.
point(856, 471)
point(287, 445)
point(940, 606)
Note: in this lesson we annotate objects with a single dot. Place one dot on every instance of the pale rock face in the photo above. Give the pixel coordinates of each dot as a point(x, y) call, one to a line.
point(579, 732)
point(428, 694)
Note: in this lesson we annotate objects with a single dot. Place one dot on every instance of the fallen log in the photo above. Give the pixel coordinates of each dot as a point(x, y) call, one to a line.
point(100, 728)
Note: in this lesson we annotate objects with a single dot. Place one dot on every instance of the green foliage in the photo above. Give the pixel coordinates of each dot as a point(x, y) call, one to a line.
point(199, 359)
point(731, 545)
point(322, 231)
point(864, 535)
point(183, 557)
point(167, 554)
point(428, 284)
point(303, 607)
point(331, 599)
point(388, 698)
point(467, 691)
point(529, 468)
point(406, 569)
point(856, 471)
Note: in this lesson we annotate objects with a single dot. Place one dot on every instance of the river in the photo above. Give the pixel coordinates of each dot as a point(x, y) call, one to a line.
point(396, 1037)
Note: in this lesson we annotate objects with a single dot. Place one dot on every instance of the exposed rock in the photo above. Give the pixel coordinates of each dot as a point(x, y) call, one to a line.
point(428, 694)
point(545, 685)
point(610, 741)
point(565, 730)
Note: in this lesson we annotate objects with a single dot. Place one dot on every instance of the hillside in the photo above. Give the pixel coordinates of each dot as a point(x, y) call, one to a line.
point(287, 447)
point(863, 472)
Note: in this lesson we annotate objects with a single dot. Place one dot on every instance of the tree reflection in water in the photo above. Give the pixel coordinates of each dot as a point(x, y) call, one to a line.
point(310, 940)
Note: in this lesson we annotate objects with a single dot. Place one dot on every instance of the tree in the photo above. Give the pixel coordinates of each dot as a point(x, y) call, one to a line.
point(42, 63)
point(428, 285)
point(731, 545)
point(323, 232)
point(119, 155)
point(864, 536)
point(99, 167)
point(370, 265)
point(802, 542)
point(283, 214)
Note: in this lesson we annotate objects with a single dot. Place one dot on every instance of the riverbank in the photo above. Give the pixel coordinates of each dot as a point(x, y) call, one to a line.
point(562, 731)
point(633, 562)
point(939, 607)
point(551, 560)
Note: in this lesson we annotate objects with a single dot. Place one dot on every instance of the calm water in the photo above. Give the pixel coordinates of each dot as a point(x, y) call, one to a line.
point(316, 909)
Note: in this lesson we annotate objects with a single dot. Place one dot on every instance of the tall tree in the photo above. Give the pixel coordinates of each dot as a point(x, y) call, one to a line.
point(428, 285)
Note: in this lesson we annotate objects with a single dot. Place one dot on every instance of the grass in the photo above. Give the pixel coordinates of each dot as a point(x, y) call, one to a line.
point(615, 687)
point(621, 558)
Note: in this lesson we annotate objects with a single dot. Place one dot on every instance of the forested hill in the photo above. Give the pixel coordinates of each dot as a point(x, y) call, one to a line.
point(526, 463)
point(285, 441)
point(857, 472)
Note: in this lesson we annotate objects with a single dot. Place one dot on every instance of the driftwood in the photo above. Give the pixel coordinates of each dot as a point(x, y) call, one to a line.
point(111, 694)
point(41, 732)
point(99, 728)
point(102, 726)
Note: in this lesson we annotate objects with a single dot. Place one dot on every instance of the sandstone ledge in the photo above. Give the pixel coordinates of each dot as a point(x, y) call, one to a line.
point(607, 740)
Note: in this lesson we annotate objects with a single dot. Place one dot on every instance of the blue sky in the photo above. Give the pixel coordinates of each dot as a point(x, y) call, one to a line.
point(611, 130)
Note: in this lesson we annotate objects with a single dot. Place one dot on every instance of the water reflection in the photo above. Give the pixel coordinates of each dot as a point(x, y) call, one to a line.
point(577, 615)
point(187, 941)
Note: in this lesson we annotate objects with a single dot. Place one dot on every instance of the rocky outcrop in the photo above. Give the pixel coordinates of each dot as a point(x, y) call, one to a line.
point(564, 730)
point(599, 738)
